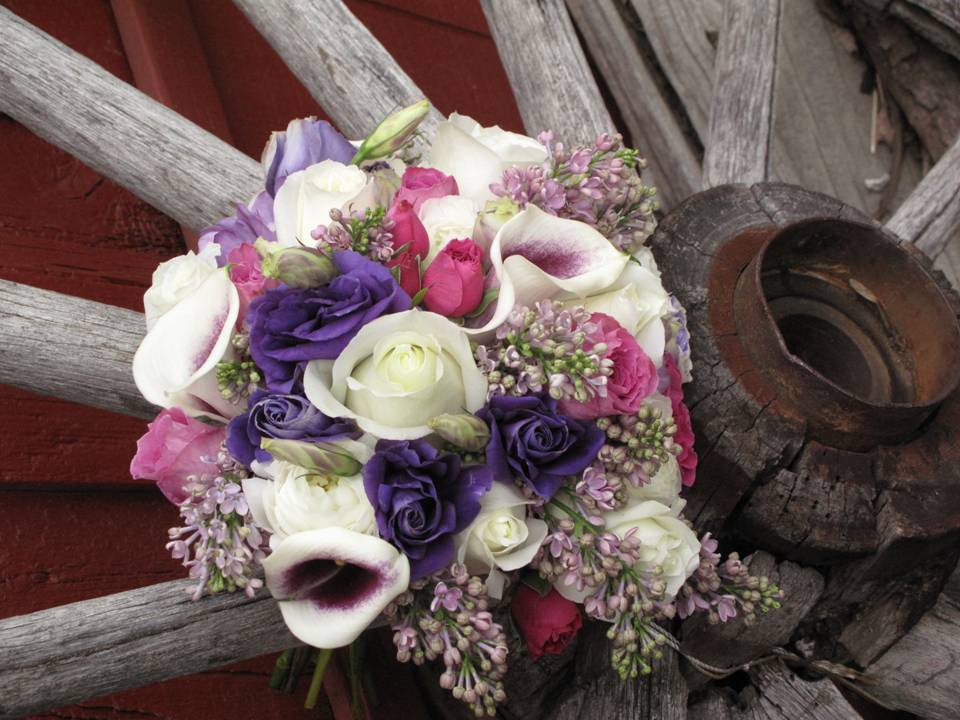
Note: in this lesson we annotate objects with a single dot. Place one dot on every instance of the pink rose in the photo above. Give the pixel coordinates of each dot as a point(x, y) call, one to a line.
point(548, 624)
point(421, 184)
point(681, 416)
point(408, 231)
point(634, 375)
point(454, 280)
point(174, 448)
point(246, 275)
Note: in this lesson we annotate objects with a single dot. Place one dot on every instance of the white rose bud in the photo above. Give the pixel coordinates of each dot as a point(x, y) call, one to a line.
point(175, 279)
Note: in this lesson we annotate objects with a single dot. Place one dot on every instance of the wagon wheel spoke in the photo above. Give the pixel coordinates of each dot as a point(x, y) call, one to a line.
point(179, 168)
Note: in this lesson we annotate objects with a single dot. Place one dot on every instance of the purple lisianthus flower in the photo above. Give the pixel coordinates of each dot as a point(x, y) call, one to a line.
point(422, 498)
point(304, 143)
point(285, 417)
point(290, 326)
point(250, 222)
point(529, 440)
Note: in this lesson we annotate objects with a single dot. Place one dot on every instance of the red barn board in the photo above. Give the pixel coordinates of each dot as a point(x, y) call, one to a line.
point(75, 525)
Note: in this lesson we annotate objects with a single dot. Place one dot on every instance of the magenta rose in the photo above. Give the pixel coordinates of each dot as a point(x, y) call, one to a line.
point(681, 416)
point(409, 234)
point(175, 447)
point(246, 275)
point(454, 280)
point(634, 375)
point(548, 623)
point(420, 184)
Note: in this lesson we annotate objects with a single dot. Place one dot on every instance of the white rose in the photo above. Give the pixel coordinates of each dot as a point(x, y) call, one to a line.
point(448, 218)
point(174, 279)
point(296, 500)
point(501, 536)
point(477, 156)
point(667, 543)
point(176, 362)
point(306, 198)
point(399, 371)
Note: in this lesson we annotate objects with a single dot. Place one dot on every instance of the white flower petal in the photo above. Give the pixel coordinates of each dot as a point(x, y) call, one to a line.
point(332, 583)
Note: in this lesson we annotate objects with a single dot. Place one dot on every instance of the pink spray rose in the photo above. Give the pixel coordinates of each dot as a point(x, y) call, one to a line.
point(681, 416)
point(408, 231)
point(548, 624)
point(246, 275)
point(454, 280)
point(175, 447)
point(634, 375)
point(420, 184)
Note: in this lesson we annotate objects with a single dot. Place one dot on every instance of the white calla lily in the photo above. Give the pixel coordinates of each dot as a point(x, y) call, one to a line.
point(332, 583)
point(538, 256)
point(397, 373)
point(477, 156)
point(176, 362)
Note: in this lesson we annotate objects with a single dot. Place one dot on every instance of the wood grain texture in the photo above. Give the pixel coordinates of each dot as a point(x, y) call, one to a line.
point(547, 69)
point(152, 151)
point(70, 348)
point(341, 63)
point(936, 20)
point(683, 34)
point(930, 216)
point(673, 165)
point(92, 648)
point(738, 143)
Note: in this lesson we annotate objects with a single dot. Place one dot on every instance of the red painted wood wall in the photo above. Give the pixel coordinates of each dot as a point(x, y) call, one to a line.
point(73, 525)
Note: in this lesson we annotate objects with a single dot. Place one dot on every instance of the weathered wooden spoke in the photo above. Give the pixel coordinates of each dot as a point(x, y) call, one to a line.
point(179, 168)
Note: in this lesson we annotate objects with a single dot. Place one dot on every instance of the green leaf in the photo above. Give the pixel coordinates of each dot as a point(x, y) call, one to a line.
point(488, 297)
point(421, 294)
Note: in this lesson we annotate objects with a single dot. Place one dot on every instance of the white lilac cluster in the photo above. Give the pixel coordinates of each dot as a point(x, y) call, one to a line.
point(432, 381)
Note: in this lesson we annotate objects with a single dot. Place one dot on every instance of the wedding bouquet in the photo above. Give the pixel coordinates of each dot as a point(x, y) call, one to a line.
point(427, 390)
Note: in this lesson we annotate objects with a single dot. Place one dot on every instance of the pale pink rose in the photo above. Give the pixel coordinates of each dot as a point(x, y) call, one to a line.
point(454, 280)
point(634, 375)
point(175, 447)
point(246, 275)
point(420, 184)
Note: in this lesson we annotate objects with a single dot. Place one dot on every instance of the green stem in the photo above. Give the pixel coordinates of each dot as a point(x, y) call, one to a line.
point(280, 670)
point(356, 690)
point(316, 682)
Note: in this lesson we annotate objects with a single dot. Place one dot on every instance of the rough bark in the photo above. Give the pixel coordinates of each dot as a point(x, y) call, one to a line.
point(340, 62)
point(673, 165)
point(741, 113)
point(45, 349)
point(548, 71)
point(96, 647)
point(936, 20)
point(66, 99)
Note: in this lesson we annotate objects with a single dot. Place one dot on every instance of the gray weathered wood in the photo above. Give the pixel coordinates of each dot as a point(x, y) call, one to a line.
point(921, 672)
point(547, 69)
point(930, 216)
point(340, 62)
point(738, 144)
point(70, 348)
point(73, 652)
point(936, 20)
point(673, 165)
point(152, 151)
point(683, 35)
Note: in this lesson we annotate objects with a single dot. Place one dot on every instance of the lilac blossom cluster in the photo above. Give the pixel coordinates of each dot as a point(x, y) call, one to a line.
point(599, 185)
point(447, 617)
point(368, 232)
point(543, 349)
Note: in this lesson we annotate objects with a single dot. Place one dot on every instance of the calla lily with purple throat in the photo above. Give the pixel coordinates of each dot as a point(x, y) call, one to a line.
point(176, 363)
point(537, 256)
point(332, 583)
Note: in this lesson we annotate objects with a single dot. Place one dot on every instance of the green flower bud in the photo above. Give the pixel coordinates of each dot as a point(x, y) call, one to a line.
point(391, 134)
point(320, 458)
point(299, 267)
point(466, 431)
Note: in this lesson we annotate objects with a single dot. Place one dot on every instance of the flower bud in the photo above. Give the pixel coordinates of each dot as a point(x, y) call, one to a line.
point(321, 458)
point(298, 267)
point(466, 431)
point(391, 134)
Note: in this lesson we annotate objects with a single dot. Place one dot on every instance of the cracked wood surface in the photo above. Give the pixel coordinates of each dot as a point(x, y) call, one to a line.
point(338, 59)
point(741, 111)
point(70, 348)
point(548, 71)
point(169, 162)
point(87, 649)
